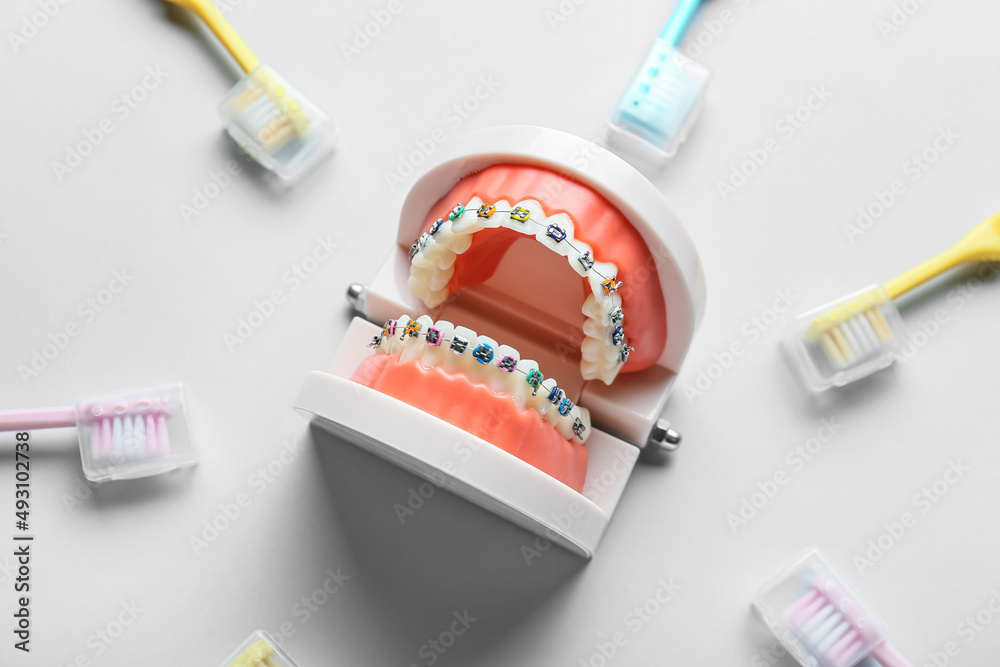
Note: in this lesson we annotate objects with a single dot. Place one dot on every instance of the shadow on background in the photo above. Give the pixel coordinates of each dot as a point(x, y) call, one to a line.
point(447, 556)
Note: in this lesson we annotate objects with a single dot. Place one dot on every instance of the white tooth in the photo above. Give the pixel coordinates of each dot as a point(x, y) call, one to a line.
point(457, 243)
point(564, 223)
point(434, 355)
point(420, 260)
point(507, 382)
point(435, 299)
point(395, 344)
point(600, 352)
point(418, 289)
point(594, 309)
point(433, 278)
point(539, 402)
point(454, 360)
point(608, 375)
point(438, 255)
point(415, 345)
point(484, 372)
point(595, 329)
point(526, 227)
point(589, 369)
point(521, 389)
point(574, 257)
point(468, 222)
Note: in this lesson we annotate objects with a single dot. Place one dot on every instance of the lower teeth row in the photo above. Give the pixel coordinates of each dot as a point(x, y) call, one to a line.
point(499, 367)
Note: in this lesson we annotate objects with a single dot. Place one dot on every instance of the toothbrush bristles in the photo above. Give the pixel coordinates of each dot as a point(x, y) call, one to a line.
point(129, 435)
point(861, 334)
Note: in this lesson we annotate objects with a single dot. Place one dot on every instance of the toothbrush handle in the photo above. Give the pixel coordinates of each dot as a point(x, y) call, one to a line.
point(981, 244)
point(889, 656)
point(34, 418)
point(209, 13)
point(680, 21)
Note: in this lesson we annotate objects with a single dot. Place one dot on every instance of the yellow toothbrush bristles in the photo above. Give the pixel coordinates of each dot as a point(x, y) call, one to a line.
point(275, 115)
point(844, 340)
point(260, 653)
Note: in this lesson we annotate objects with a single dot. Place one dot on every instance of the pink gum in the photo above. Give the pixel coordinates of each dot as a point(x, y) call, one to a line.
point(474, 408)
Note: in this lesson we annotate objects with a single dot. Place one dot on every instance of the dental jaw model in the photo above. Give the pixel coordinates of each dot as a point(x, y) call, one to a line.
point(520, 341)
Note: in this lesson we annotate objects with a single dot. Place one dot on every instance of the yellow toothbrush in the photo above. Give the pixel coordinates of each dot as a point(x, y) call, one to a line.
point(259, 653)
point(276, 125)
point(856, 336)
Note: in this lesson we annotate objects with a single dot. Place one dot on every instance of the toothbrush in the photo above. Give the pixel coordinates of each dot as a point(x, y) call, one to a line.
point(858, 335)
point(130, 426)
point(837, 629)
point(661, 104)
point(123, 435)
point(273, 123)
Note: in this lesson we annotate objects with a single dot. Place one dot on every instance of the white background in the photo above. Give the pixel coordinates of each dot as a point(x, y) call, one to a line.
point(332, 506)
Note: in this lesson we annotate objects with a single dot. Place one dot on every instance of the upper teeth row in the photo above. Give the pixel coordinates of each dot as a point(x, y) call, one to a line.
point(605, 347)
point(499, 367)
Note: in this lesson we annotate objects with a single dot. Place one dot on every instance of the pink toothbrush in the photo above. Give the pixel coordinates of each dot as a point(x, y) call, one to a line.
point(837, 629)
point(121, 436)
